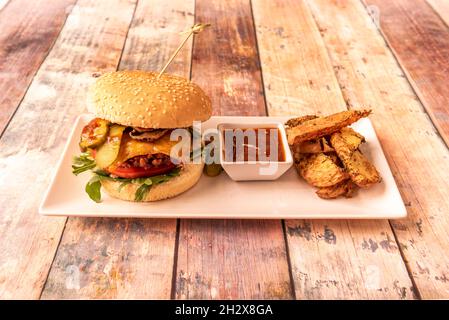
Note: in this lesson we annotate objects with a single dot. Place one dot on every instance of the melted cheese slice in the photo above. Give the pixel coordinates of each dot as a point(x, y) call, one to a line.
point(130, 148)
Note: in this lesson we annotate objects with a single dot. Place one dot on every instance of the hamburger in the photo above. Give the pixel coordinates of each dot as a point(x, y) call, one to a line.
point(127, 145)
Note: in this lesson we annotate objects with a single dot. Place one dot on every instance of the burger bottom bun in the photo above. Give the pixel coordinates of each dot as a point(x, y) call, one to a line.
point(188, 177)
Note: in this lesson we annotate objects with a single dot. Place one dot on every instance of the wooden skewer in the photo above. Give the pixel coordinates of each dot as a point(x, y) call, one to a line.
point(193, 30)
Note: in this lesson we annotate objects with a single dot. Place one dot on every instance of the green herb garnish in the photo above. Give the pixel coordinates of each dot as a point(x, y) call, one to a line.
point(85, 162)
point(142, 191)
point(94, 185)
point(123, 184)
point(93, 188)
point(147, 183)
point(82, 163)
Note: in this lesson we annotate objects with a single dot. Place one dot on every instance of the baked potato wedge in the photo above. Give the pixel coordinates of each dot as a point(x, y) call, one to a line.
point(347, 141)
point(322, 126)
point(313, 146)
point(319, 170)
point(326, 153)
point(346, 144)
point(297, 121)
point(345, 188)
point(362, 172)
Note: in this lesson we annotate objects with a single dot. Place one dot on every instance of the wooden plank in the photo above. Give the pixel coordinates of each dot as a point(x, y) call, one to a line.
point(113, 259)
point(154, 34)
point(370, 76)
point(329, 259)
point(91, 41)
point(230, 259)
point(29, 29)
point(420, 42)
point(442, 8)
point(128, 258)
point(225, 61)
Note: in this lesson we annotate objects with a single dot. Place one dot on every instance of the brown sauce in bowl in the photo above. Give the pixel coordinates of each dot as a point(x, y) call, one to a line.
point(253, 144)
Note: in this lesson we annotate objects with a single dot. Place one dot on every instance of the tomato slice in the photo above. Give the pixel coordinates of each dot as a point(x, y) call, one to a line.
point(139, 172)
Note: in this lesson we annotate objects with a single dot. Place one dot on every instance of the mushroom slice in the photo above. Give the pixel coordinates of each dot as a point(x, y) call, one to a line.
point(147, 135)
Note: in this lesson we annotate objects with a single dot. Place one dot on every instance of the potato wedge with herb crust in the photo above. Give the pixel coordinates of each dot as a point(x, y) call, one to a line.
point(297, 121)
point(362, 172)
point(313, 146)
point(345, 188)
point(327, 155)
point(347, 141)
point(320, 170)
point(322, 126)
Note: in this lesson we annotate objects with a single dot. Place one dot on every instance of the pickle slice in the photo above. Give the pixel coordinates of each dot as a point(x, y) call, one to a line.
point(213, 170)
point(108, 152)
point(94, 134)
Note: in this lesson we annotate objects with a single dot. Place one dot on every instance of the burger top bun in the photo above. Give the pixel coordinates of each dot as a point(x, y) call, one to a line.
point(141, 99)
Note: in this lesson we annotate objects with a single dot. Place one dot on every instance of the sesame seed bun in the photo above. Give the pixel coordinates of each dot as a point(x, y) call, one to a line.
point(141, 99)
point(188, 177)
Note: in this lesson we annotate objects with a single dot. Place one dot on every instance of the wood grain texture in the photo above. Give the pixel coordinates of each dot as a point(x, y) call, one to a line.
point(420, 42)
point(90, 41)
point(29, 29)
point(370, 76)
point(225, 61)
point(154, 35)
point(113, 259)
point(128, 258)
point(230, 259)
point(297, 73)
point(442, 8)
point(329, 259)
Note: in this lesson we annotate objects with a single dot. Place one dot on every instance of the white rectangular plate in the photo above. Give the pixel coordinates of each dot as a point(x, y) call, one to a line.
point(289, 197)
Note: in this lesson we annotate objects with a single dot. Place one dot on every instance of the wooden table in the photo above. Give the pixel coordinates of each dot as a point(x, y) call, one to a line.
point(276, 57)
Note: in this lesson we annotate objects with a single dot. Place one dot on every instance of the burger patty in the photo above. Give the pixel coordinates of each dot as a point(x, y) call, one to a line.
point(148, 161)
